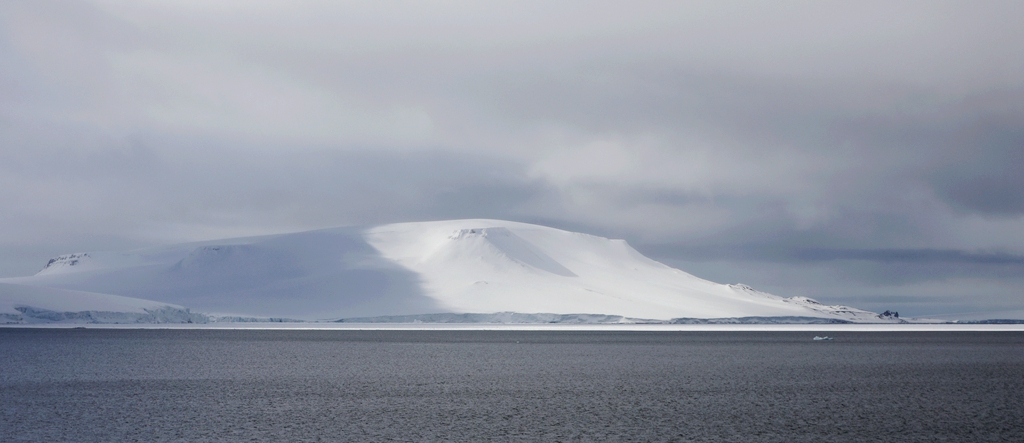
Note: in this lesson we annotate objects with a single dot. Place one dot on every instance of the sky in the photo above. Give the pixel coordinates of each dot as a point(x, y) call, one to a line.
point(863, 153)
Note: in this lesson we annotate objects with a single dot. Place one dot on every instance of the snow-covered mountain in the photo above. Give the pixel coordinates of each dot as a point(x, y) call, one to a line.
point(405, 269)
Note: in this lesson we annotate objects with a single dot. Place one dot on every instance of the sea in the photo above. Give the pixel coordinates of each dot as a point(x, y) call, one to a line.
point(154, 385)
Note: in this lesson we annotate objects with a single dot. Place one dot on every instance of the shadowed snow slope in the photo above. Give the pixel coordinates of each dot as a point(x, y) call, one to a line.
point(460, 266)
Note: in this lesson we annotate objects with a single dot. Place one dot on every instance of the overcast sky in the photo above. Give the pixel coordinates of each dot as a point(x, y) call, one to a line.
point(864, 153)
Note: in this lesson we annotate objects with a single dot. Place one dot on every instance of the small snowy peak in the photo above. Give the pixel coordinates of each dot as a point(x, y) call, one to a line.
point(802, 300)
point(744, 289)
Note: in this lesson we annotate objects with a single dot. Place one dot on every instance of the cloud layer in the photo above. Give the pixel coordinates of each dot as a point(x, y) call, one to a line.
point(864, 153)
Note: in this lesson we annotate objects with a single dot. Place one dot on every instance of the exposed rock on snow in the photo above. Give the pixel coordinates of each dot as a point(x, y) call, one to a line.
point(64, 261)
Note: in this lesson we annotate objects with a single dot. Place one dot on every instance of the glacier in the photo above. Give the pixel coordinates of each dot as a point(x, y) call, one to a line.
point(441, 271)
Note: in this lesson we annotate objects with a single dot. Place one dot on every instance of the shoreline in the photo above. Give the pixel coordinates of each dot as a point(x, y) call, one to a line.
point(541, 327)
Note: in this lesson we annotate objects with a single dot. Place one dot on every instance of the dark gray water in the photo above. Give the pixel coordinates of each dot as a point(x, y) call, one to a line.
point(208, 385)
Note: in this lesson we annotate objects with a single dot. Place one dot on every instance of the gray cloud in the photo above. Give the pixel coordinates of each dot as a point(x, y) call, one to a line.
point(986, 177)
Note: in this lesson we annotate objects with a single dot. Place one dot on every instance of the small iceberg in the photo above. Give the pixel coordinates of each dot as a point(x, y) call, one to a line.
point(822, 338)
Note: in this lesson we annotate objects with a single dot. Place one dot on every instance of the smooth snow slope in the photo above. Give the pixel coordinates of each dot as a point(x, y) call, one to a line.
point(477, 266)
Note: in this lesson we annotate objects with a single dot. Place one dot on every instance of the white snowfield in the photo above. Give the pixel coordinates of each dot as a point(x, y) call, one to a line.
point(404, 269)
